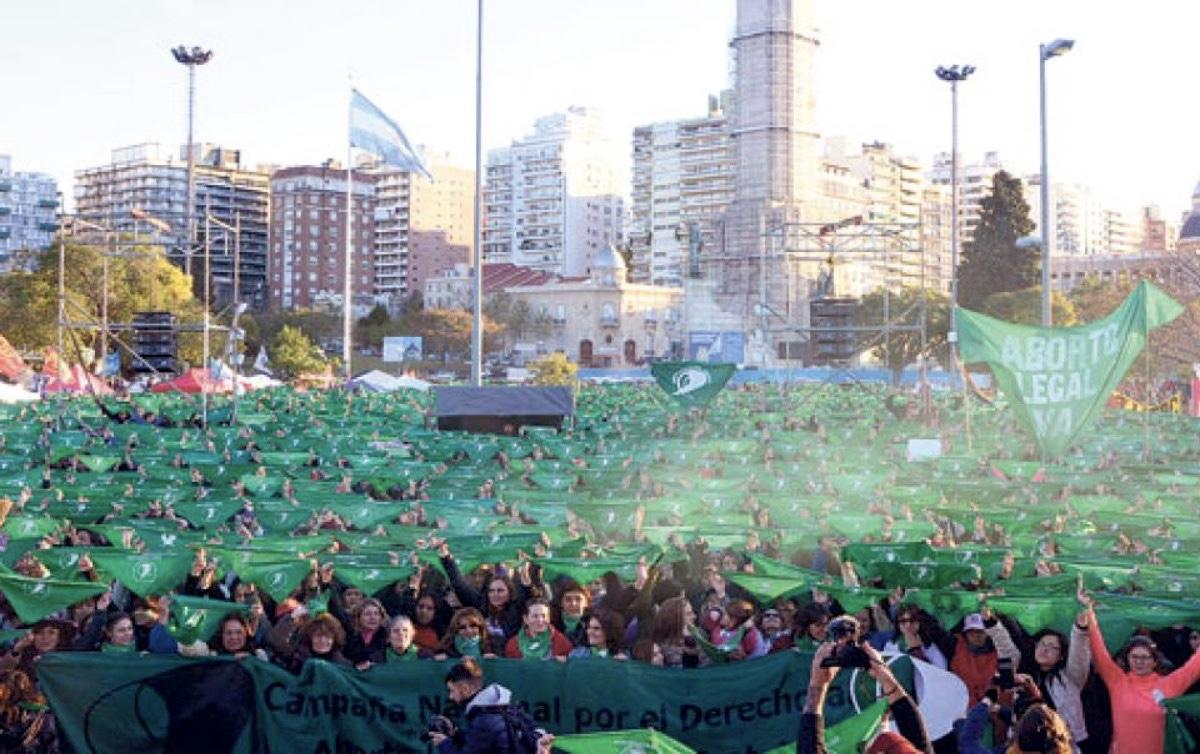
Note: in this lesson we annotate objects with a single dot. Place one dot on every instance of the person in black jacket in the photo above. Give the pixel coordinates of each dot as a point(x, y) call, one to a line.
point(912, 737)
point(491, 723)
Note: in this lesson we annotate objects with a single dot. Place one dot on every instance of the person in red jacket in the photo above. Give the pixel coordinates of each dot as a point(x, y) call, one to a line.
point(537, 639)
point(1138, 717)
point(977, 652)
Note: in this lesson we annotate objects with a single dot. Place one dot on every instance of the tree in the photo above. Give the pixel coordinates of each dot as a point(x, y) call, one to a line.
point(555, 369)
point(991, 261)
point(1024, 307)
point(1172, 350)
point(516, 318)
point(900, 349)
point(143, 280)
point(293, 354)
point(448, 331)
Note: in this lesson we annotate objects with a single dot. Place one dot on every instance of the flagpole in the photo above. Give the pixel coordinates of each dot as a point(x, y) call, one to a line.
point(477, 287)
point(346, 308)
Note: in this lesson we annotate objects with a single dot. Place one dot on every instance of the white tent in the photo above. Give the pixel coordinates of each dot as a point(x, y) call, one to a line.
point(376, 381)
point(259, 381)
point(16, 394)
point(412, 382)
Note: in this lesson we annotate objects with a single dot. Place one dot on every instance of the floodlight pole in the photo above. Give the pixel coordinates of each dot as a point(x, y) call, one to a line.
point(191, 58)
point(1045, 52)
point(954, 74)
point(477, 281)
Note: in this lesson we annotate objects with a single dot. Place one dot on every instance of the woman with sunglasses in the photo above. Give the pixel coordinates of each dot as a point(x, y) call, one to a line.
point(916, 635)
point(603, 630)
point(775, 635)
point(1136, 686)
point(466, 636)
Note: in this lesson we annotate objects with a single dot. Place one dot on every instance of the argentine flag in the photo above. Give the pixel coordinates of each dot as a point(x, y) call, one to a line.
point(372, 130)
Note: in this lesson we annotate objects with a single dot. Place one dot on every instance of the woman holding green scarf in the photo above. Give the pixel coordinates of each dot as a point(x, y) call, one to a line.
point(572, 604)
point(400, 647)
point(465, 636)
point(538, 640)
point(118, 636)
point(604, 630)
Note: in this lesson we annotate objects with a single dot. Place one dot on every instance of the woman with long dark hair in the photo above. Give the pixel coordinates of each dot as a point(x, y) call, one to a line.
point(604, 631)
point(1060, 670)
point(465, 637)
point(1137, 682)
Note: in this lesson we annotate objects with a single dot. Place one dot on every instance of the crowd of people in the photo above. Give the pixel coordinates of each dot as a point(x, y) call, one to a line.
point(684, 608)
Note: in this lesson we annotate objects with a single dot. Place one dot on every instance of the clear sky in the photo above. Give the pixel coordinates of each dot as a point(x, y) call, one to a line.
point(80, 77)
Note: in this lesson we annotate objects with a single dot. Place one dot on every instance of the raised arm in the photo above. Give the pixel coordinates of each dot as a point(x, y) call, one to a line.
point(1079, 654)
point(1179, 681)
point(1108, 670)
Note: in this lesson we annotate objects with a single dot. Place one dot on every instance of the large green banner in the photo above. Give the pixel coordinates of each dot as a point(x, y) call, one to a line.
point(693, 383)
point(1058, 378)
point(171, 704)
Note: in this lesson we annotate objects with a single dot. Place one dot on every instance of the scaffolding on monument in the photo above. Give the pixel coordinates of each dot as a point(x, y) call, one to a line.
point(114, 244)
point(850, 258)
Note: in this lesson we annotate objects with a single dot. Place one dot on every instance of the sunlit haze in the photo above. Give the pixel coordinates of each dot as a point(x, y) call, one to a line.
point(82, 78)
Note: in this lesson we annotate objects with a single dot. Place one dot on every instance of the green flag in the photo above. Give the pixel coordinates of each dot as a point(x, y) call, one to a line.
point(195, 618)
point(146, 573)
point(1058, 378)
point(648, 741)
point(34, 599)
point(847, 736)
point(693, 383)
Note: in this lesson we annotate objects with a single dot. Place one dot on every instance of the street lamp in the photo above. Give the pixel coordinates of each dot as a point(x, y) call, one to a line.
point(1053, 50)
point(191, 58)
point(954, 74)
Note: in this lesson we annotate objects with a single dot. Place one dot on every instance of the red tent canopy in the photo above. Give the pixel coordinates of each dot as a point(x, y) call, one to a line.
point(195, 380)
point(78, 382)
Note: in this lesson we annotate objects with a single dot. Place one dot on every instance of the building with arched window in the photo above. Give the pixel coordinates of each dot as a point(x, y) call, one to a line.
point(602, 320)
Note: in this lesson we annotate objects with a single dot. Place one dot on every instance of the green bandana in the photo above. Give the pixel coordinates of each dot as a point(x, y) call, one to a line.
point(409, 654)
point(468, 647)
point(118, 649)
point(534, 647)
point(570, 624)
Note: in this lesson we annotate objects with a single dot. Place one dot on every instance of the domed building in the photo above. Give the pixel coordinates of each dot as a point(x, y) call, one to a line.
point(1189, 234)
point(601, 319)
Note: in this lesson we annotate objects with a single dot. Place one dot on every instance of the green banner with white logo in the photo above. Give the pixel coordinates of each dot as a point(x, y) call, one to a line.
point(190, 705)
point(694, 383)
point(1058, 378)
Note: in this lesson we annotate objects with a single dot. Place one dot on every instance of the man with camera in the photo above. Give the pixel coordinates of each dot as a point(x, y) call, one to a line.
point(491, 723)
point(847, 649)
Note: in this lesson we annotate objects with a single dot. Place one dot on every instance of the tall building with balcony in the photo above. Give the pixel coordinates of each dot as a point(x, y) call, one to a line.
point(888, 193)
point(1081, 224)
point(974, 184)
point(553, 200)
point(146, 179)
point(422, 227)
point(306, 263)
point(442, 231)
point(1156, 233)
point(682, 175)
point(28, 202)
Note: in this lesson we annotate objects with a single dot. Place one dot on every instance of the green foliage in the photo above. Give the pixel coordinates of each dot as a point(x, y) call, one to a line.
point(143, 280)
point(516, 318)
point(320, 326)
point(991, 262)
point(1172, 349)
point(294, 354)
point(1024, 307)
point(900, 349)
point(555, 369)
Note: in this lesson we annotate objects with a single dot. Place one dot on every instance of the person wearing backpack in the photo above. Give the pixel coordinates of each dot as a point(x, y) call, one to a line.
point(491, 723)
